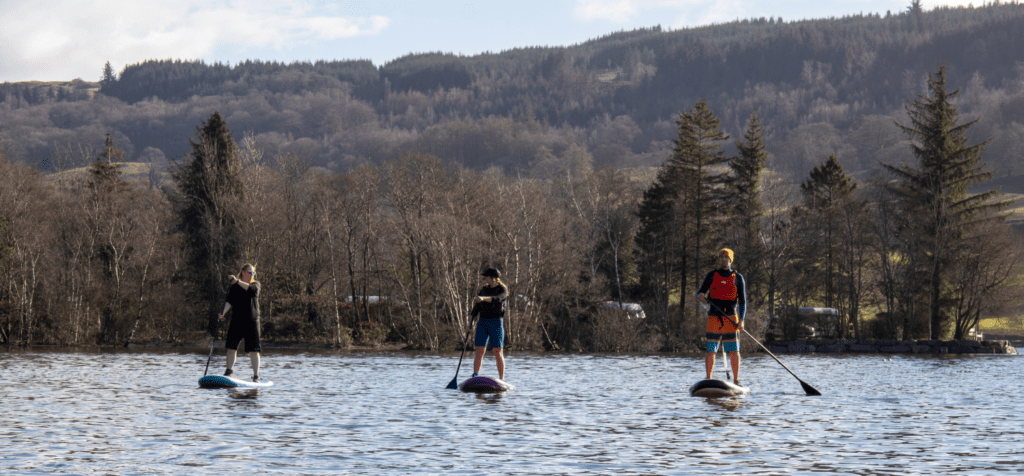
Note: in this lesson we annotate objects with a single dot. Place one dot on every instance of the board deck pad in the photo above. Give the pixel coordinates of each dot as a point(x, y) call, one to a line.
point(483, 384)
point(220, 381)
point(717, 388)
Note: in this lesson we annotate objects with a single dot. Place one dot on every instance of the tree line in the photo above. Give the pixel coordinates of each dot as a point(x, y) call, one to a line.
point(393, 251)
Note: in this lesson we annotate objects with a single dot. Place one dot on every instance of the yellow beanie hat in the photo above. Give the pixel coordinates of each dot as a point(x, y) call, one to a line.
point(727, 252)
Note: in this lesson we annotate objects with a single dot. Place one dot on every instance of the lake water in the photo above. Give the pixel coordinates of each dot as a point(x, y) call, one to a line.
point(141, 412)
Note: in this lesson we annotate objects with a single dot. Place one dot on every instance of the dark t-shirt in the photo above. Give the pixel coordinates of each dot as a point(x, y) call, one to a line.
point(494, 309)
point(244, 302)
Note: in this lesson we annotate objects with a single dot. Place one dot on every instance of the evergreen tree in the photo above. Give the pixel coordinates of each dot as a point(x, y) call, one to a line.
point(207, 212)
point(108, 81)
point(684, 208)
point(111, 153)
point(916, 11)
point(697, 157)
point(745, 200)
point(108, 74)
point(657, 252)
point(106, 171)
point(936, 205)
point(825, 194)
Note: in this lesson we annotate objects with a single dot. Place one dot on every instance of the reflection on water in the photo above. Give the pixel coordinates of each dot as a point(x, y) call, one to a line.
point(730, 404)
point(368, 413)
point(244, 394)
point(489, 397)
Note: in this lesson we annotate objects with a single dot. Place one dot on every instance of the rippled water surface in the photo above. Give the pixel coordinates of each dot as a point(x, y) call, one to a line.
point(141, 412)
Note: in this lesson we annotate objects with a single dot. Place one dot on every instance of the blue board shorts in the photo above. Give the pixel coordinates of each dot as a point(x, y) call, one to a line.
point(492, 330)
point(730, 345)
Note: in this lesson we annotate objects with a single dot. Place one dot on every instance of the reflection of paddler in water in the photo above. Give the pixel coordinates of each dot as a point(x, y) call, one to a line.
point(725, 290)
point(243, 298)
point(490, 306)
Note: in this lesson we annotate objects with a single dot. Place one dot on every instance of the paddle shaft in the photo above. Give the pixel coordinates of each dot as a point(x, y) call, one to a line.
point(807, 388)
point(210, 357)
point(216, 328)
point(725, 360)
point(465, 342)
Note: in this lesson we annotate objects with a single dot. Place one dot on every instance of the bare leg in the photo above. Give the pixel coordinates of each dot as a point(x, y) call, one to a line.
point(231, 358)
point(254, 357)
point(709, 363)
point(478, 359)
point(734, 358)
point(499, 358)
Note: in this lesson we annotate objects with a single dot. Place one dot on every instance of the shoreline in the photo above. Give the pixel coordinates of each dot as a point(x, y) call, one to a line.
point(867, 346)
point(173, 346)
point(796, 346)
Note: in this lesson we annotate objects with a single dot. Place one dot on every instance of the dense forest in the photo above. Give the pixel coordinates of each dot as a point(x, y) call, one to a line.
point(820, 86)
point(848, 162)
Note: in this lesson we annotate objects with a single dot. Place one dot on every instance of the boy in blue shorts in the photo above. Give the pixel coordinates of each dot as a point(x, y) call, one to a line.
point(490, 306)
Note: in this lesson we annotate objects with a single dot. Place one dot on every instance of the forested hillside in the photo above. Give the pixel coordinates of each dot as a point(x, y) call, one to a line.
point(849, 163)
point(826, 86)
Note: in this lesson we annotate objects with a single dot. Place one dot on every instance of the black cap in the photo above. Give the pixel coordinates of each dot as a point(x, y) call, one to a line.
point(491, 272)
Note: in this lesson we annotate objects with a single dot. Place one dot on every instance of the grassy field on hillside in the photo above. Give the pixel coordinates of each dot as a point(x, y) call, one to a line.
point(132, 172)
point(1003, 325)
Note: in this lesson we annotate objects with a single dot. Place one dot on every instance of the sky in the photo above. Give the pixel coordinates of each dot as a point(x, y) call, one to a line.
point(60, 40)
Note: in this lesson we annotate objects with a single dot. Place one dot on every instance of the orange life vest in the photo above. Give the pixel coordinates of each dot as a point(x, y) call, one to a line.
point(723, 288)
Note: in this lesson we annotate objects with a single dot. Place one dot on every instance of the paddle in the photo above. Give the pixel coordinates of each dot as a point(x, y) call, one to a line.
point(216, 327)
point(725, 360)
point(811, 391)
point(454, 384)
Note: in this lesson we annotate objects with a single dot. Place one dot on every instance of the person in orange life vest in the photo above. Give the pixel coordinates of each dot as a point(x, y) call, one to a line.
point(724, 288)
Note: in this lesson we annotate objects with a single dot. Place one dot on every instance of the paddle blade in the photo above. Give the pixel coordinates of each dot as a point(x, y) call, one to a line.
point(453, 385)
point(811, 391)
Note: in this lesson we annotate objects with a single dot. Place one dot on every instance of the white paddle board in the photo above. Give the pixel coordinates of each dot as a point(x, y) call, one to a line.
point(220, 381)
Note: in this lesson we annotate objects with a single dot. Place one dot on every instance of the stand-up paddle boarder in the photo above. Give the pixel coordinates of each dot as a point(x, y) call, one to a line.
point(725, 288)
point(243, 297)
point(490, 306)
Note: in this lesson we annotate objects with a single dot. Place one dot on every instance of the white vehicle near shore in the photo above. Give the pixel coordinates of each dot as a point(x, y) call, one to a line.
point(633, 310)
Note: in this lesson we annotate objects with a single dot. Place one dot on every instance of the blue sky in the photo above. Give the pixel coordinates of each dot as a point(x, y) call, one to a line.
point(66, 39)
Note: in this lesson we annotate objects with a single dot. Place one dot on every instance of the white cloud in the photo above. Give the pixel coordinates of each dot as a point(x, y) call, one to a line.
point(614, 10)
point(58, 40)
point(623, 11)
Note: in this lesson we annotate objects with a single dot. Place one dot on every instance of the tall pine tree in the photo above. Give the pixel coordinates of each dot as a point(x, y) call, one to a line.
point(827, 195)
point(683, 210)
point(698, 158)
point(935, 201)
point(657, 251)
point(745, 201)
point(207, 213)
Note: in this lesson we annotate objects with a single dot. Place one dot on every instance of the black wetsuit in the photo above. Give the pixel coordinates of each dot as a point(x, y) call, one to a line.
point(245, 317)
